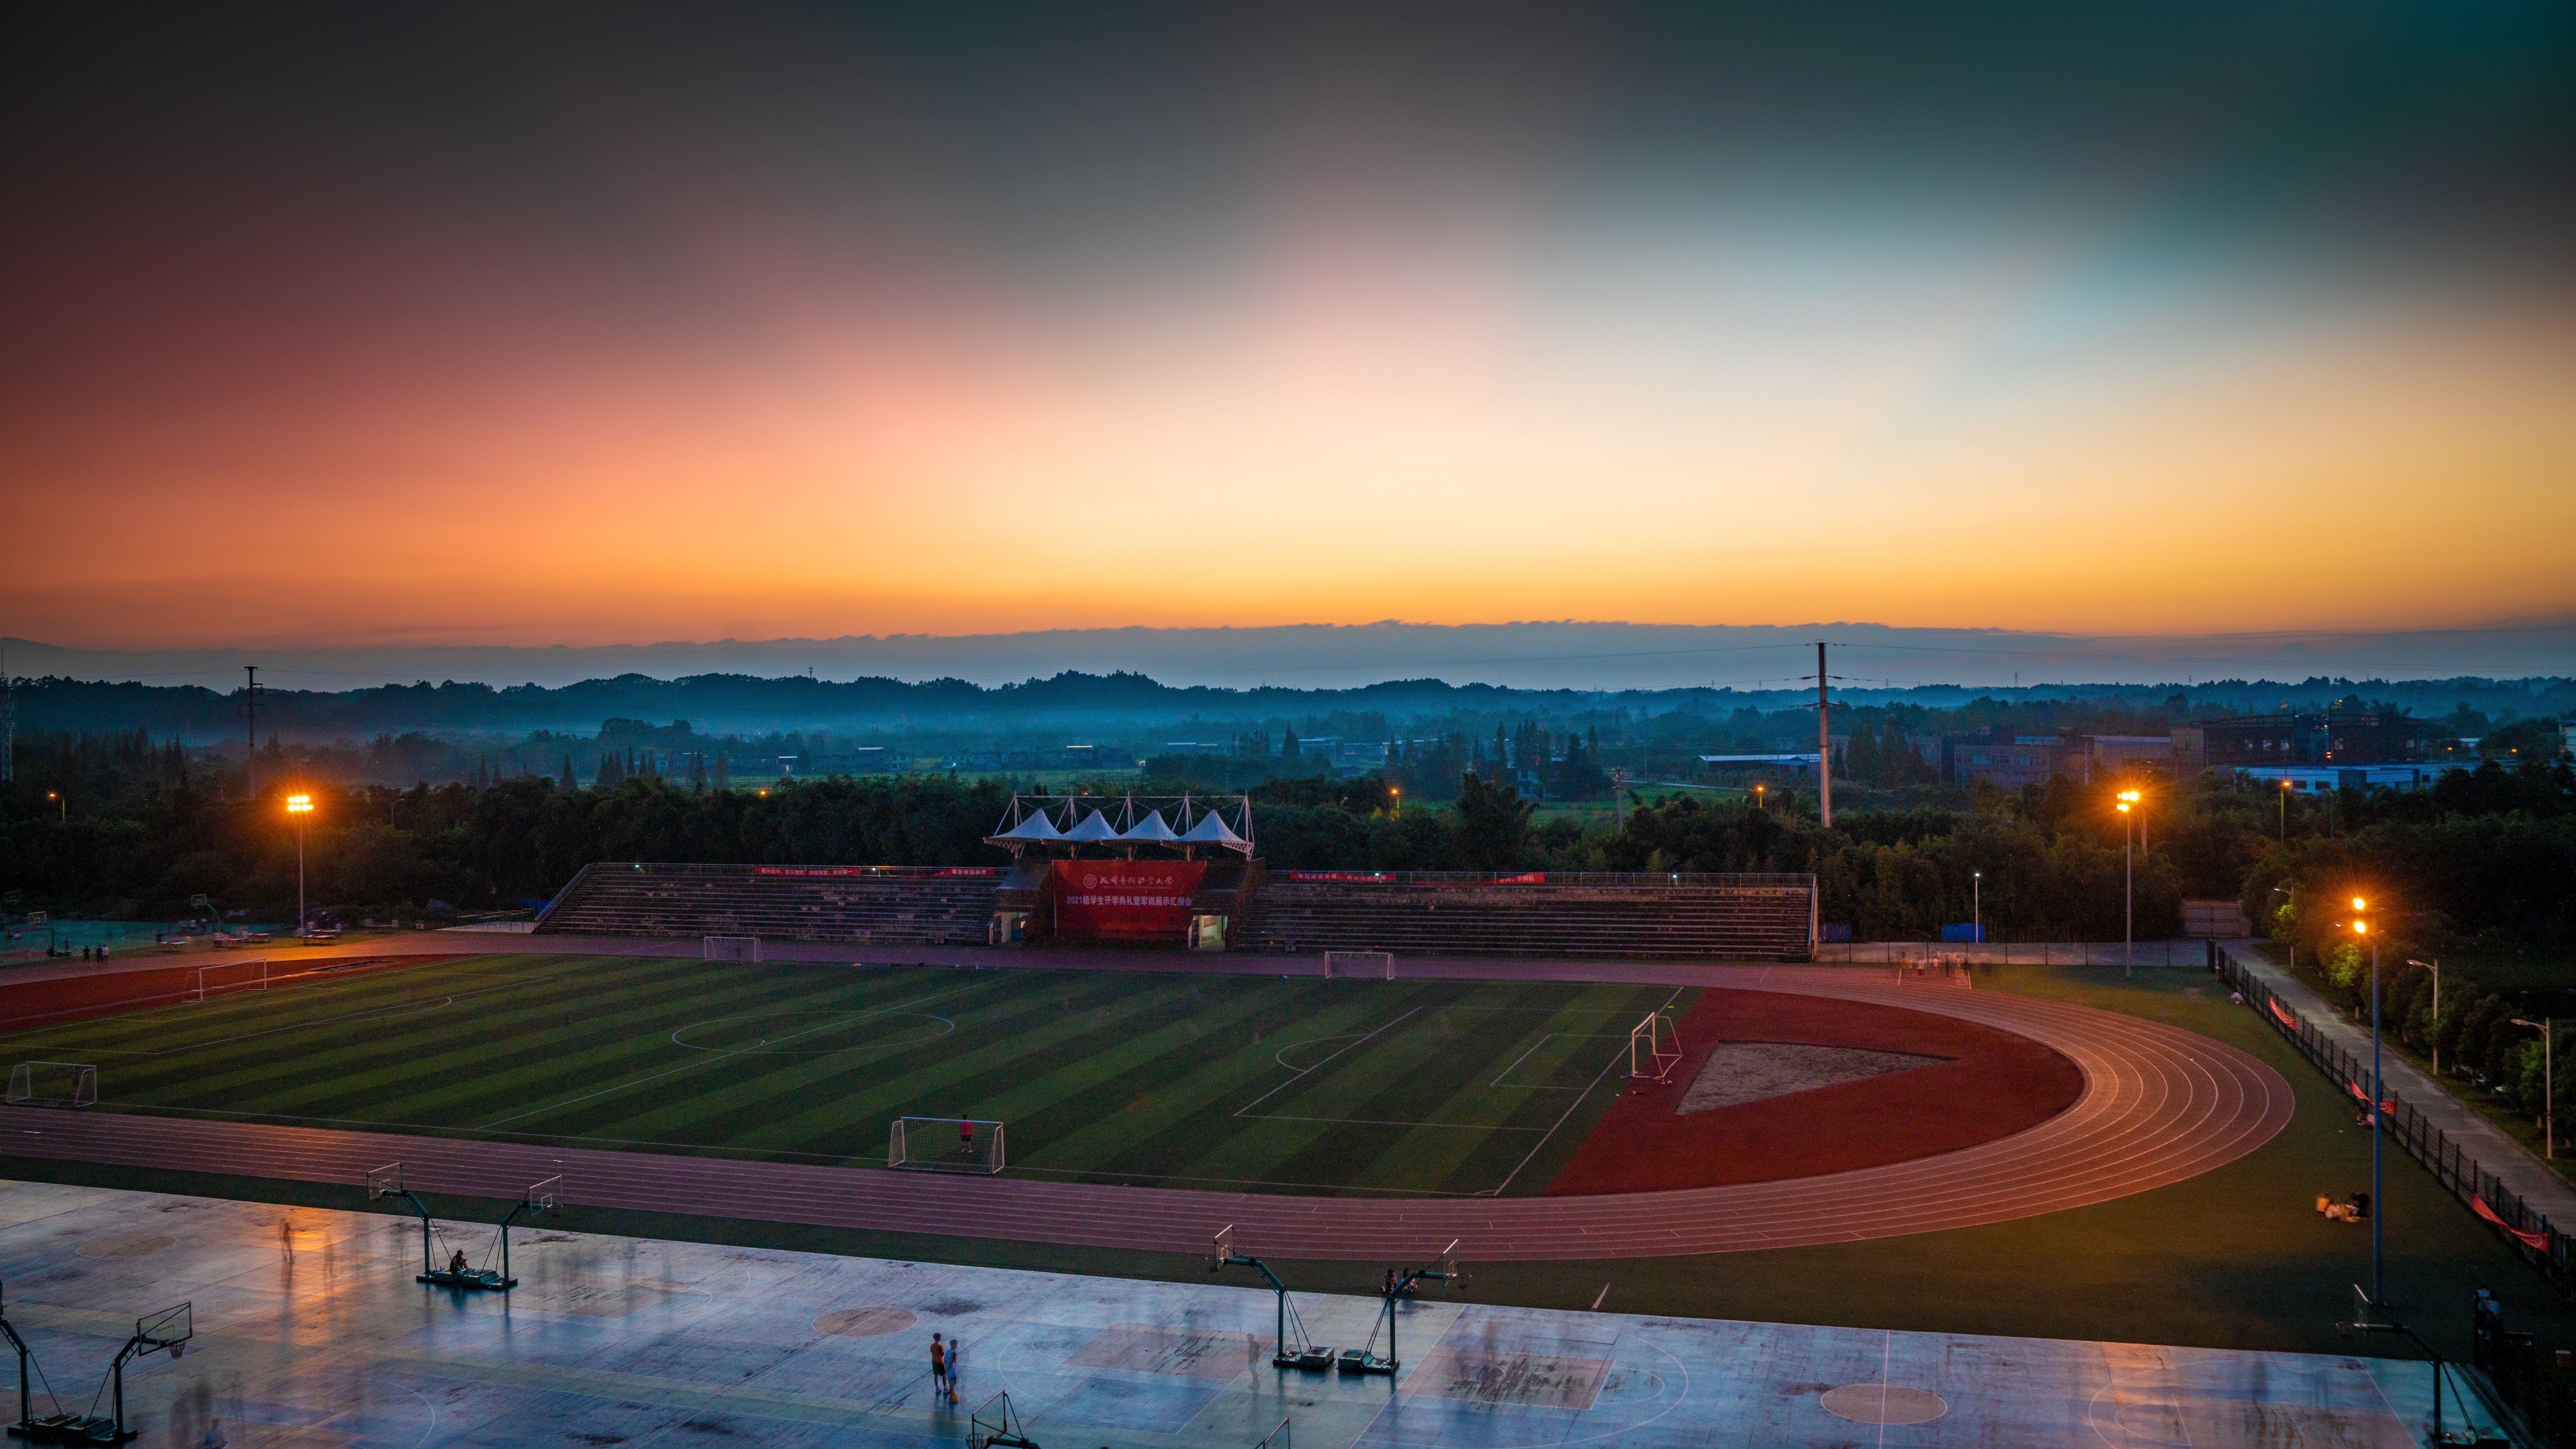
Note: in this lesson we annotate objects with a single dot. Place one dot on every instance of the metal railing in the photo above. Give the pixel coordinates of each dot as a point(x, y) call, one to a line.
point(2013, 953)
point(1736, 880)
point(2461, 1175)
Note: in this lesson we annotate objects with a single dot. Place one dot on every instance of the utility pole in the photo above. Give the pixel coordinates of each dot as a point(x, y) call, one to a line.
point(1824, 744)
point(8, 720)
point(250, 709)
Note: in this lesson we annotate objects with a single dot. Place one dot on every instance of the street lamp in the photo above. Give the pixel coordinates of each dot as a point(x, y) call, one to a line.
point(2378, 1096)
point(2129, 892)
point(2285, 810)
point(299, 806)
point(2548, 1101)
point(1977, 903)
point(62, 807)
point(2436, 968)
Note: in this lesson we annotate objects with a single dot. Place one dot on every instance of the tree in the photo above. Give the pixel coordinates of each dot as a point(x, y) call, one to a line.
point(1493, 824)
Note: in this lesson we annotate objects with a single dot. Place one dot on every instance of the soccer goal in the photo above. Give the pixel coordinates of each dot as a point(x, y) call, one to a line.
point(945, 1144)
point(53, 1084)
point(733, 948)
point(226, 977)
point(1359, 965)
point(1654, 1048)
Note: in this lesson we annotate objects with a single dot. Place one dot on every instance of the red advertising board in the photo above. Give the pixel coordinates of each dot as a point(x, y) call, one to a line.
point(810, 872)
point(1125, 900)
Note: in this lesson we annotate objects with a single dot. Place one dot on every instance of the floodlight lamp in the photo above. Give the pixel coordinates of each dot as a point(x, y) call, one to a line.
point(2124, 807)
point(299, 804)
point(2361, 928)
point(2357, 904)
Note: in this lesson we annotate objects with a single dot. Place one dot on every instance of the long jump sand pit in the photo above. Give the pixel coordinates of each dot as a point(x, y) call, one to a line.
point(1970, 1084)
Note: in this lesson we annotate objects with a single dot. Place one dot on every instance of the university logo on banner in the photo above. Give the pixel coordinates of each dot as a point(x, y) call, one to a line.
point(1125, 900)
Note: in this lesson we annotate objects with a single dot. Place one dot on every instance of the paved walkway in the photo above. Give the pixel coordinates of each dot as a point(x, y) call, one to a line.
point(2519, 1167)
point(2160, 1104)
point(311, 1334)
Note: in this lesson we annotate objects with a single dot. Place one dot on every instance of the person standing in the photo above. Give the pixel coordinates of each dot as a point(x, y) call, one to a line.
point(938, 1368)
point(955, 1347)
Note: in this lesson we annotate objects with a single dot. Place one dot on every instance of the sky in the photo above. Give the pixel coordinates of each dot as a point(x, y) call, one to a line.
point(527, 326)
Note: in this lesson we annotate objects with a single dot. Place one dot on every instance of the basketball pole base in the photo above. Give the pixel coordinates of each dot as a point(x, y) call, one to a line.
point(477, 1280)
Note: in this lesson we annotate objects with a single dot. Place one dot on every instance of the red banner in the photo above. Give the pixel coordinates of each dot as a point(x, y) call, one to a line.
point(809, 870)
point(1331, 875)
point(1125, 900)
point(972, 870)
point(2479, 1206)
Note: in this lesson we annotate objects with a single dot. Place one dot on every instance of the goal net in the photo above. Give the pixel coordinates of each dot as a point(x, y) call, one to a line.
point(945, 1144)
point(53, 1084)
point(1654, 1048)
point(1359, 965)
point(226, 977)
point(733, 948)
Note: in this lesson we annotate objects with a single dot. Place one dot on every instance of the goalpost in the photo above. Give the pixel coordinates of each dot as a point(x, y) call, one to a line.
point(945, 1144)
point(1359, 965)
point(226, 977)
point(733, 948)
point(1654, 1048)
point(53, 1084)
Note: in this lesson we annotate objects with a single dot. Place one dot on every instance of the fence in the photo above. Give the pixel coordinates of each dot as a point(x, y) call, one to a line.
point(2014, 953)
point(2524, 1229)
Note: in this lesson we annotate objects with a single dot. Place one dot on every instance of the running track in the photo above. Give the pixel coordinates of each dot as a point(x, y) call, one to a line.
point(2159, 1105)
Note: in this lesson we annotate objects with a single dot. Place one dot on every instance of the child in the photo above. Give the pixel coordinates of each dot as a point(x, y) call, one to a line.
point(938, 1368)
point(956, 1347)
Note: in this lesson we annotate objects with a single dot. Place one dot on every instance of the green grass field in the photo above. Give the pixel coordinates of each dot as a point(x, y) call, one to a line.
point(1281, 1084)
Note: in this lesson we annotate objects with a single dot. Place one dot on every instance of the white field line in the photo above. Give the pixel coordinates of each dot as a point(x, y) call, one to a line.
point(1569, 1110)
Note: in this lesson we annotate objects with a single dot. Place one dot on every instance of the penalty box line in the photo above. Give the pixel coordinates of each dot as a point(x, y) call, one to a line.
point(1562, 1117)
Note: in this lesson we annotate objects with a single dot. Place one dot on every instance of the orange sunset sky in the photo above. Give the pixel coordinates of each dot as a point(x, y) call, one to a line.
point(489, 329)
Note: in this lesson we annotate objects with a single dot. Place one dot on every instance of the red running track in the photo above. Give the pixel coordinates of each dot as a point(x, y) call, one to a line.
point(2159, 1105)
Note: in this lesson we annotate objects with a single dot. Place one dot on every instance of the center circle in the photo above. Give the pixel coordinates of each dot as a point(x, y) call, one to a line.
point(1884, 1404)
point(813, 1033)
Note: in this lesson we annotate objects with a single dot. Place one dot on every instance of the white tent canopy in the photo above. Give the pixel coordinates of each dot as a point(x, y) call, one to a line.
point(1150, 829)
point(1211, 831)
point(1094, 827)
point(1036, 828)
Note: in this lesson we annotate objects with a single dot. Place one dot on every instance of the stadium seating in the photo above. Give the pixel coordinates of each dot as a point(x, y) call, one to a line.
point(903, 907)
point(1650, 916)
point(1761, 918)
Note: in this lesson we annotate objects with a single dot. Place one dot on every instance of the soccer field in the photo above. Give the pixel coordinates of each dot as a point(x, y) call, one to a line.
point(1283, 1084)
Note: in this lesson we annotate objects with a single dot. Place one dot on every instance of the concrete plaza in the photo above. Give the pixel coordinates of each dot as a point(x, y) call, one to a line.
point(311, 1332)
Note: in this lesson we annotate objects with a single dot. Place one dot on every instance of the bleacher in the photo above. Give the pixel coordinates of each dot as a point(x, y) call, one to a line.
point(1756, 917)
point(885, 905)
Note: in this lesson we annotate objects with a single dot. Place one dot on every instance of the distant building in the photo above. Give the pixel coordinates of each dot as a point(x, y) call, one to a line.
point(2009, 762)
point(2333, 737)
point(2316, 779)
point(2131, 754)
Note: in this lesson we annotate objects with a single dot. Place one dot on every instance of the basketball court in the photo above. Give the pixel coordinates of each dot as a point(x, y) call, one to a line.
point(310, 1331)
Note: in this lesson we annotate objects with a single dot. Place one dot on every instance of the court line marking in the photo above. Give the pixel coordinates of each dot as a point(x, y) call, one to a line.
point(1577, 1102)
point(1534, 1046)
point(1246, 1108)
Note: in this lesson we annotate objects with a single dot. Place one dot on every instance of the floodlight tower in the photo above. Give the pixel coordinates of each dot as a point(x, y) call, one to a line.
point(299, 806)
point(2378, 1101)
point(2129, 890)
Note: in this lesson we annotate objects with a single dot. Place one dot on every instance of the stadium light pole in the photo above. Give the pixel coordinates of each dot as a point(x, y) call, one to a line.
point(2285, 811)
point(2128, 891)
point(2378, 1127)
point(299, 806)
point(1977, 904)
point(2436, 968)
point(2548, 1095)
